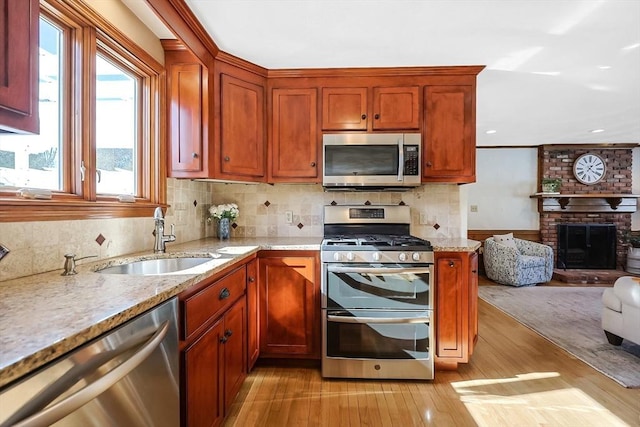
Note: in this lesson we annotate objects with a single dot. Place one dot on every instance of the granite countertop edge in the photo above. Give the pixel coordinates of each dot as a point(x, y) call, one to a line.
point(115, 299)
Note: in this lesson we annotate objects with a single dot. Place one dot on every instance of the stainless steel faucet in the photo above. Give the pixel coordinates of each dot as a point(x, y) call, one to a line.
point(161, 238)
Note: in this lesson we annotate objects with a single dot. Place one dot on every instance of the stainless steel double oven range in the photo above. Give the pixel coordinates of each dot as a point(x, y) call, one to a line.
point(377, 295)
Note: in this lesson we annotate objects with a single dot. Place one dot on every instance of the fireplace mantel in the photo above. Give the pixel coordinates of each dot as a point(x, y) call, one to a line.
point(594, 202)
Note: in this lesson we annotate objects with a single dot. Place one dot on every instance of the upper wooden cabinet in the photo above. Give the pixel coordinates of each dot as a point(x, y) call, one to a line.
point(242, 129)
point(294, 144)
point(448, 143)
point(391, 108)
point(19, 28)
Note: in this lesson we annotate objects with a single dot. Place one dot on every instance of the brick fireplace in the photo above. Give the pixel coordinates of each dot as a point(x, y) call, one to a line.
point(557, 162)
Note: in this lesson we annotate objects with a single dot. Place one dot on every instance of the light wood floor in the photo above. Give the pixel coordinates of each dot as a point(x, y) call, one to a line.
point(515, 378)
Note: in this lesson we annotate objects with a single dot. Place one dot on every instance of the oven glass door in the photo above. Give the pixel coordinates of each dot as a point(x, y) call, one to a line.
point(377, 334)
point(377, 286)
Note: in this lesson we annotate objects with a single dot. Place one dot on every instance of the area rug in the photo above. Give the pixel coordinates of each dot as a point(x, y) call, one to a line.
point(570, 318)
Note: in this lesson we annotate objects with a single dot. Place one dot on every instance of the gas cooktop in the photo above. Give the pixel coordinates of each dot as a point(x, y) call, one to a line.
point(376, 242)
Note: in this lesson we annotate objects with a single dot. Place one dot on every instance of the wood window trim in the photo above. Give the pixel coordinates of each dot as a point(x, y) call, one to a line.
point(79, 199)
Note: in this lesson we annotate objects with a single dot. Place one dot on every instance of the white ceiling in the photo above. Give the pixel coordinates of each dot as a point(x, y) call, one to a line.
point(555, 69)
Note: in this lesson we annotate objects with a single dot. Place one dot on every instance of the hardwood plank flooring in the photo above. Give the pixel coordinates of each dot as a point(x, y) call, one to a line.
point(515, 378)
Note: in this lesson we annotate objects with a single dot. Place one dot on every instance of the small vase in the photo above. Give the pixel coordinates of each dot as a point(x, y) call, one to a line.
point(224, 228)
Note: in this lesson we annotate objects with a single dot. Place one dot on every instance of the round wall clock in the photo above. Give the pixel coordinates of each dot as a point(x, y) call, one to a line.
point(589, 168)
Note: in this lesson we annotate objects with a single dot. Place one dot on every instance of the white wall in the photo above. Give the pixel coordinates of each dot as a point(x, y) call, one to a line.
point(505, 178)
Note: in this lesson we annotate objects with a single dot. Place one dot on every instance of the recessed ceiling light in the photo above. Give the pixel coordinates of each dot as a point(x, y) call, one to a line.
point(490, 131)
point(604, 67)
point(631, 46)
point(596, 130)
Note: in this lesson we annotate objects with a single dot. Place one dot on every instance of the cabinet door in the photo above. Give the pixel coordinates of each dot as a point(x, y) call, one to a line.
point(452, 306)
point(19, 28)
point(186, 99)
point(202, 400)
point(242, 142)
point(396, 108)
point(449, 136)
point(473, 301)
point(235, 350)
point(294, 148)
point(344, 108)
point(253, 313)
point(289, 306)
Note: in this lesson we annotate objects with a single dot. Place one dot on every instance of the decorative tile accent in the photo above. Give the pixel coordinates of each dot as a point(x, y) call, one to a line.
point(436, 225)
point(300, 225)
point(234, 225)
point(333, 203)
point(402, 203)
point(100, 239)
point(367, 203)
point(267, 203)
point(195, 203)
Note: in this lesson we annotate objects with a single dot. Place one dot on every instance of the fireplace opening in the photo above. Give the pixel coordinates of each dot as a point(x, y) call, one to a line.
point(589, 246)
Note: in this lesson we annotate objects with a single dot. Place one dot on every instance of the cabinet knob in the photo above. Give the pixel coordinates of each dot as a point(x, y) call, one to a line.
point(251, 279)
point(474, 271)
point(194, 155)
point(428, 164)
point(451, 264)
point(224, 340)
point(377, 116)
point(226, 158)
point(364, 117)
point(313, 164)
point(228, 333)
point(224, 293)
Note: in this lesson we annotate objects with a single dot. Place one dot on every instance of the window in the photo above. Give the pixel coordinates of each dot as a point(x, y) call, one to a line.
point(98, 152)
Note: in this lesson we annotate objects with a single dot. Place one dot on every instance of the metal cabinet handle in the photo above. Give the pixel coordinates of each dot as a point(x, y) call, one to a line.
point(66, 406)
point(313, 164)
point(224, 340)
point(428, 164)
point(451, 264)
point(224, 294)
point(377, 116)
point(251, 279)
point(228, 333)
point(227, 158)
point(364, 117)
point(194, 155)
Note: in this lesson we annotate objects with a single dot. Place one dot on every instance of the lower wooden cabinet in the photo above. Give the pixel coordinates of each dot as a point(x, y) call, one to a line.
point(456, 281)
point(289, 294)
point(213, 348)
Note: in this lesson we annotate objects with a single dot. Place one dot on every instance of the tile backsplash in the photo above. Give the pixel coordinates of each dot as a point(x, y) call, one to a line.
point(36, 247)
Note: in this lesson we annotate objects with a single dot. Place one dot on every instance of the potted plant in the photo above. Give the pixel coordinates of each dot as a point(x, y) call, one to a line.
point(632, 238)
point(551, 185)
point(224, 213)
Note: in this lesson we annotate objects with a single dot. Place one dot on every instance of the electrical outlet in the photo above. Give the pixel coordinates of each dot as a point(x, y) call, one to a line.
point(289, 216)
point(424, 219)
point(474, 208)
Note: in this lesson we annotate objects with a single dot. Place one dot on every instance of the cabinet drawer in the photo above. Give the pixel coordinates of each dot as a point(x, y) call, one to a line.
point(213, 300)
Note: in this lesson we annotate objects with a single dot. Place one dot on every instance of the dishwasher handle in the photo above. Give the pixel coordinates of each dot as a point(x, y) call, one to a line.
point(63, 408)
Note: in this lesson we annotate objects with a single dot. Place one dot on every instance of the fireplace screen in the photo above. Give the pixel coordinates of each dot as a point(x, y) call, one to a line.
point(587, 246)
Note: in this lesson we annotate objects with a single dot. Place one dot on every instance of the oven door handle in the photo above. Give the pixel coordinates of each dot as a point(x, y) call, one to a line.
point(386, 320)
point(378, 270)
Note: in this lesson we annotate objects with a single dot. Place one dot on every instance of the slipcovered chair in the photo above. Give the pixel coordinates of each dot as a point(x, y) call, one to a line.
point(621, 311)
point(517, 262)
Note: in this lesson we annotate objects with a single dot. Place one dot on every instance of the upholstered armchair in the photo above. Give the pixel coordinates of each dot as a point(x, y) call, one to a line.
point(517, 262)
point(621, 311)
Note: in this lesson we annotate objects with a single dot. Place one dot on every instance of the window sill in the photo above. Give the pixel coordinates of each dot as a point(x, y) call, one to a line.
point(20, 210)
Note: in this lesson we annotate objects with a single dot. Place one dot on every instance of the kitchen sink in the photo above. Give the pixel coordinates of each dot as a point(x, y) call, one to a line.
point(159, 266)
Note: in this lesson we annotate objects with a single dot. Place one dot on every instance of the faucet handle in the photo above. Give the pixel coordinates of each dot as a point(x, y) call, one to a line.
point(173, 229)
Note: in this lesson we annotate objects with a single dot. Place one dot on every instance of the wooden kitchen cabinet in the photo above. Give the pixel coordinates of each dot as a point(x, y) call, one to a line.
point(289, 304)
point(294, 145)
point(213, 347)
point(253, 314)
point(456, 312)
point(242, 129)
point(449, 146)
point(391, 108)
point(188, 113)
point(19, 29)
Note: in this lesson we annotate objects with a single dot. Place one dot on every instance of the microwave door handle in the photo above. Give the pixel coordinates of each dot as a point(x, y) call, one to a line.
point(66, 406)
point(382, 270)
point(401, 159)
point(378, 320)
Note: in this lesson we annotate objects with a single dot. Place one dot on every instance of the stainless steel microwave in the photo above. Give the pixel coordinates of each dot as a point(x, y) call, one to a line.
point(359, 160)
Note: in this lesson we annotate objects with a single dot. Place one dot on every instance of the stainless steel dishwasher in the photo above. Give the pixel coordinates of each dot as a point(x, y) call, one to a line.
point(127, 377)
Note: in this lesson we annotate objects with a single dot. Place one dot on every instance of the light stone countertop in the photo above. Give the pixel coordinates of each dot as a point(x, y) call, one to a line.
point(44, 316)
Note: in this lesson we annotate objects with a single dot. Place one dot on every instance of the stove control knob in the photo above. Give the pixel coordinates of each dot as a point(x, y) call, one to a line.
point(415, 256)
point(337, 256)
point(350, 256)
point(376, 256)
point(402, 256)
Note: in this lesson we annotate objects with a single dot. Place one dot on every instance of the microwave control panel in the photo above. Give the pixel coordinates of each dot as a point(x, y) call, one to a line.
point(411, 160)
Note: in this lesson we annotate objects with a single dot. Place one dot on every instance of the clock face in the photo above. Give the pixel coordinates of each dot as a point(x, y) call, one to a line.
point(589, 168)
